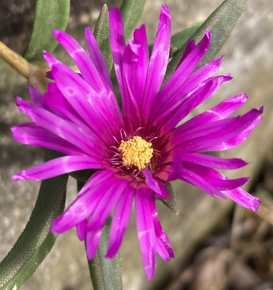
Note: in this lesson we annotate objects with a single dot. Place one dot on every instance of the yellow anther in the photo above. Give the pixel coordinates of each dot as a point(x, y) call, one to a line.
point(136, 152)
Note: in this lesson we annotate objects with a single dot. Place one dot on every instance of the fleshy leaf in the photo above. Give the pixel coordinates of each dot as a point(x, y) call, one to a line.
point(171, 202)
point(131, 11)
point(102, 36)
point(49, 15)
point(36, 240)
point(180, 38)
point(220, 23)
point(105, 273)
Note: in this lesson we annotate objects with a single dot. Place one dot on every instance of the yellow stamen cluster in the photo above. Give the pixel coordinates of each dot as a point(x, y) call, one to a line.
point(136, 152)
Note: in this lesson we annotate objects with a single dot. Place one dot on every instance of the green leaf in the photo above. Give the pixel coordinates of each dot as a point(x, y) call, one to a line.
point(220, 23)
point(36, 241)
point(49, 15)
point(102, 36)
point(131, 11)
point(106, 274)
point(180, 38)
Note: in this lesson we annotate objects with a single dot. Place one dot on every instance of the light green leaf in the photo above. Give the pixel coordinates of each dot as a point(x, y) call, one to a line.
point(106, 274)
point(49, 15)
point(102, 36)
point(131, 11)
point(220, 23)
point(36, 241)
point(180, 38)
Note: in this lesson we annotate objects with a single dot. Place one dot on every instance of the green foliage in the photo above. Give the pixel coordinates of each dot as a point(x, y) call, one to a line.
point(220, 23)
point(36, 241)
point(131, 11)
point(49, 15)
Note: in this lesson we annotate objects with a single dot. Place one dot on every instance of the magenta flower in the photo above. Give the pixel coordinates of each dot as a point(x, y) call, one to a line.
point(135, 151)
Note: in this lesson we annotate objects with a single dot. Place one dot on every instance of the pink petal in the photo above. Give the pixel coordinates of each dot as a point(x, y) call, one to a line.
point(176, 168)
point(163, 245)
point(219, 112)
point(211, 161)
point(107, 204)
point(66, 130)
point(120, 221)
point(59, 166)
point(117, 42)
point(92, 242)
point(243, 198)
point(235, 141)
point(81, 229)
point(85, 203)
point(196, 180)
point(32, 134)
point(146, 231)
point(158, 62)
point(150, 181)
point(97, 57)
point(176, 81)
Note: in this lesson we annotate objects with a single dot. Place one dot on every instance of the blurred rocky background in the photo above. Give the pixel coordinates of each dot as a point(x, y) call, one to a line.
point(218, 246)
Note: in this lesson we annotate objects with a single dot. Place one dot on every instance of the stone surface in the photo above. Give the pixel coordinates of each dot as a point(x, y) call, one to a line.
point(248, 59)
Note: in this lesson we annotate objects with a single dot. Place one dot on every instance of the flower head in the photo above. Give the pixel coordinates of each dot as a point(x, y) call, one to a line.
point(138, 149)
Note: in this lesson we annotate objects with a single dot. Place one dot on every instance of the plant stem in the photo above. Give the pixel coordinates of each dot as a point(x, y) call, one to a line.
point(106, 274)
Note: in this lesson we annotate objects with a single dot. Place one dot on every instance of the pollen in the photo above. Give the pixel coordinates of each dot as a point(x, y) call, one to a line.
point(136, 152)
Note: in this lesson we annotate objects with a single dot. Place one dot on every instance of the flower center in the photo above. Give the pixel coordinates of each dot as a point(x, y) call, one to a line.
point(136, 152)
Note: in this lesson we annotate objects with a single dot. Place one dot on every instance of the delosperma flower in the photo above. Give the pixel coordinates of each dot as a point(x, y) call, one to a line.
point(138, 148)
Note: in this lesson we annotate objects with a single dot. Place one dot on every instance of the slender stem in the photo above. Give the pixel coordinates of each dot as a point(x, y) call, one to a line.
point(106, 274)
point(21, 65)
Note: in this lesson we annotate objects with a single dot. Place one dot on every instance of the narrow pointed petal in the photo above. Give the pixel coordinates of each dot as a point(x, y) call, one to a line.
point(158, 62)
point(235, 141)
point(120, 221)
point(163, 245)
point(97, 57)
point(36, 96)
point(196, 180)
point(85, 203)
point(190, 46)
point(180, 76)
point(176, 168)
point(173, 115)
point(150, 181)
point(32, 134)
point(117, 43)
point(82, 60)
point(146, 231)
point(219, 112)
point(59, 166)
point(215, 178)
point(86, 101)
point(92, 242)
point(243, 198)
point(107, 204)
point(219, 136)
point(60, 104)
point(81, 229)
point(163, 190)
point(213, 162)
point(65, 130)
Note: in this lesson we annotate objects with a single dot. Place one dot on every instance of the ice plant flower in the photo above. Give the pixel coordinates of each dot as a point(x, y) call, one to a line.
point(137, 149)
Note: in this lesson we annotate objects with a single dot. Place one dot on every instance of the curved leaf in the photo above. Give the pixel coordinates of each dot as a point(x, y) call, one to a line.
point(49, 15)
point(131, 11)
point(36, 241)
point(180, 38)
point(102, 36)
point(106, 274)
point(220, 23)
